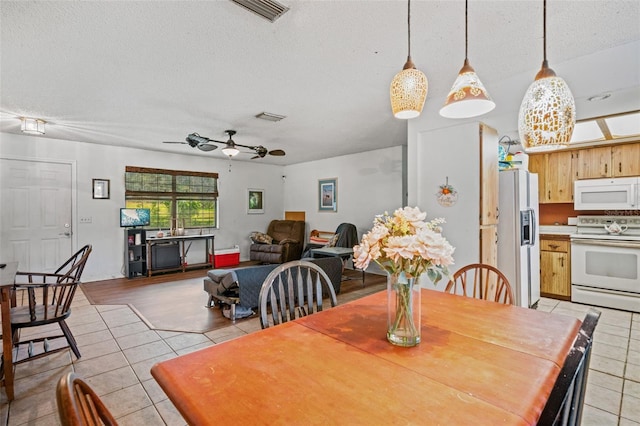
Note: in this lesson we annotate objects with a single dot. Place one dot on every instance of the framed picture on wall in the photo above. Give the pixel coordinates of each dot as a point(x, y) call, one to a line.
point(327, 195)
point(101, 189)
point(255, 201)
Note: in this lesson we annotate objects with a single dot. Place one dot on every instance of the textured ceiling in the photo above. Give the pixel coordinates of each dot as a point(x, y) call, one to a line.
point(136, 73)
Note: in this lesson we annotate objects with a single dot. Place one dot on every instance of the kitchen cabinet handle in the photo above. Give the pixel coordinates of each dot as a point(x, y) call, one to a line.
point(549, 196)
point(620, 167)
point(554, 246)
point(606, 168)
point(562, 262)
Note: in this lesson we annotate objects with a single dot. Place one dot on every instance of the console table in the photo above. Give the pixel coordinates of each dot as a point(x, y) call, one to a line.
point(209, 260)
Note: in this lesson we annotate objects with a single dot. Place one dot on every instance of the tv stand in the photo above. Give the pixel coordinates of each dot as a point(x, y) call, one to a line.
point(153, 266)
point(135, 253)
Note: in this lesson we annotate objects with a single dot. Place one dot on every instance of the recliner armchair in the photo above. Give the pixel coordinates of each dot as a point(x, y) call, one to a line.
point(288, 239)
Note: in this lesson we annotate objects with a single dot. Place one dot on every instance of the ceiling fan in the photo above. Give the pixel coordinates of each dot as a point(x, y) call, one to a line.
point(230, 146)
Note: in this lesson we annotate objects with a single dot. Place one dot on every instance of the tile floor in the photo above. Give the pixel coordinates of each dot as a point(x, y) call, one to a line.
point(118, 350)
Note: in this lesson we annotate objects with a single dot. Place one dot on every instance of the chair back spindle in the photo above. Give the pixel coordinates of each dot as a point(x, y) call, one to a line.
point(481, 281)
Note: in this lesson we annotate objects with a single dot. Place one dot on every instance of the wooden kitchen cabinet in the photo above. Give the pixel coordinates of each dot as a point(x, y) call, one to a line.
point(593, 163)
point(555, 176)
point(555, 266)
point(625, 160)
point(608, 161)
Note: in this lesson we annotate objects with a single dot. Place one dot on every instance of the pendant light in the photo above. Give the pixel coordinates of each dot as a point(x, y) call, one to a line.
point(548, 111)
point(468, 97)
point(409, 87)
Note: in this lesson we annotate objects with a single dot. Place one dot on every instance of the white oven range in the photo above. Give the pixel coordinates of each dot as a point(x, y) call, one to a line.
point(605, 267)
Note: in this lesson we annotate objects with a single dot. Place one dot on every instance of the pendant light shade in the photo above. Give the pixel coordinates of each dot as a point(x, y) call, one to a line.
point(468, 97)
point(548, 111)
point(409, 87)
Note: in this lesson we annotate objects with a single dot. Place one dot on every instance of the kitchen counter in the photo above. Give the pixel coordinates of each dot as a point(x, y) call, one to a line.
point(557, 229)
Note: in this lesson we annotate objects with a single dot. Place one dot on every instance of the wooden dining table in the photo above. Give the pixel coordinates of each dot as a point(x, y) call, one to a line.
point(479, 362)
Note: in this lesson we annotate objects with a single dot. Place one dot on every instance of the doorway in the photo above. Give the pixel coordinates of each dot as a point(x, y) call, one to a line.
point(35, 213)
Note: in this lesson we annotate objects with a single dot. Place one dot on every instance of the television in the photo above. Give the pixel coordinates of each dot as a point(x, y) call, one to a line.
point(134, 217)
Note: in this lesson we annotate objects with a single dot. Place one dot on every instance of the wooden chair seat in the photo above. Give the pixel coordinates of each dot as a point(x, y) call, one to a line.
point(42, 304)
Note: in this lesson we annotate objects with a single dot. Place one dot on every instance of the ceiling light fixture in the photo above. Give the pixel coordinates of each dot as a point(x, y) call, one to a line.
point(548, 111)
point(409, 87)
point(468, 97)
point(230, 149)
point(32, 126)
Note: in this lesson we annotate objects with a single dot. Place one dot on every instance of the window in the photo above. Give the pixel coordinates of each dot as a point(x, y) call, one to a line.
point(176, 198)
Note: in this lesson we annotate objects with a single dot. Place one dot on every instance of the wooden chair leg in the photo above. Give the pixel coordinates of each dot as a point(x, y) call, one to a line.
point(70, 339)
point(7, 344)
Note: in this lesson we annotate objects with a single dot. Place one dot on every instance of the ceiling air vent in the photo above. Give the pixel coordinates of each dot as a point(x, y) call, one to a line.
point(270, 117)
point(268, 9)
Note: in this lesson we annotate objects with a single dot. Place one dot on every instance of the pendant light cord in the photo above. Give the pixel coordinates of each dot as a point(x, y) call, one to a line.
point(409, 28)
point(466, 42)
point(544, 30)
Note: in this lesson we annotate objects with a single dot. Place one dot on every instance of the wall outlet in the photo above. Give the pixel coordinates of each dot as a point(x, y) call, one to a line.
point(86, 219)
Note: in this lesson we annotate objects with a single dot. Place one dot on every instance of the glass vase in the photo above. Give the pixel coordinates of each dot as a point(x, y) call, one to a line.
point(403, 309)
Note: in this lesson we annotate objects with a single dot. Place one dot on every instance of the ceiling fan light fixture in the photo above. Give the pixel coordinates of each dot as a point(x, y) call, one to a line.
point(468, 97)
point(32, 126)
point(230, 150)
point(548, 111)
point(410, 86)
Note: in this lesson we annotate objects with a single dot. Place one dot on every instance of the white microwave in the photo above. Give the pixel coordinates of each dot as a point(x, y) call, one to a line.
point(606, 194)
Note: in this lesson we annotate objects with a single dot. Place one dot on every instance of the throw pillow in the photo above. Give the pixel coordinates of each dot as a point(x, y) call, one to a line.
point(261, 238)
point(332, 242)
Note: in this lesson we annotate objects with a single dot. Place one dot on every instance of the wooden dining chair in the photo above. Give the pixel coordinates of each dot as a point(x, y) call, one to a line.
point(79, 405)
point(564, 406)
point(294, 289)
point(481, 281)
point(40, 298)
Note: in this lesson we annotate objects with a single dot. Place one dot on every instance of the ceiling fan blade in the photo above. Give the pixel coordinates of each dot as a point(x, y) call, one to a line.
point(206, 147)
point(277, 152)
point(184, 143)
point(255, 156)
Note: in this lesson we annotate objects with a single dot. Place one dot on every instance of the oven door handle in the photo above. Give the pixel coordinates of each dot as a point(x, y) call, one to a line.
point(607, 243)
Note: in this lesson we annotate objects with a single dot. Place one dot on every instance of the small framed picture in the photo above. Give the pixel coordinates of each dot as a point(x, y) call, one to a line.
point(101, 189)
point(327, 195)
point(255, 201)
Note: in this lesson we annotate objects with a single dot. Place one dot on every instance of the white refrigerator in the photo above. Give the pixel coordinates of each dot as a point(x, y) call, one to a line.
point(518, 235)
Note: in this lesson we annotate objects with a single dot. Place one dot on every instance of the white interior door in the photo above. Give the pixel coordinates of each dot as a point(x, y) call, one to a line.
point(35, 214)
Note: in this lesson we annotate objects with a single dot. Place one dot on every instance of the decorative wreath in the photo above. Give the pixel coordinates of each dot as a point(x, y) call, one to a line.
point(447, 196)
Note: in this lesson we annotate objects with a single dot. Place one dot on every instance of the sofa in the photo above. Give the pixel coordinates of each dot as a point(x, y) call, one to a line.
point(249, 280)
point(287, 241)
